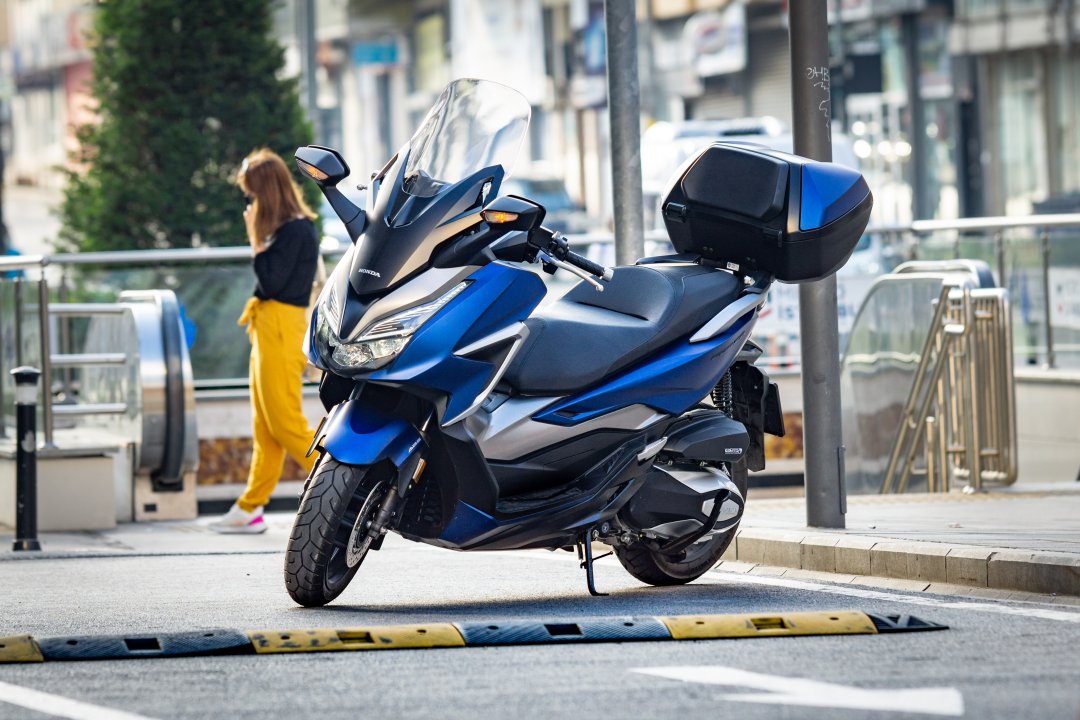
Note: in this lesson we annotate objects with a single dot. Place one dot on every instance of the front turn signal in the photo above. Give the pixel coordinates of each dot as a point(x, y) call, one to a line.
point(311, 170)
point(498, 217)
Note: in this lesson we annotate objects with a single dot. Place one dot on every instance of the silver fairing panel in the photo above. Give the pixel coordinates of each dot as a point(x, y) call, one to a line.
point(425, 287)
point(509, 432)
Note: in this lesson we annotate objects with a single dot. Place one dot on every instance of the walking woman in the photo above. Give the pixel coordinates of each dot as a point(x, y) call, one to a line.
point(285, 250)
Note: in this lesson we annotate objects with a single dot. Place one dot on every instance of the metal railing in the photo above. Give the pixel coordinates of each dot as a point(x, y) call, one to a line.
point(961, 408)
point(51, 361)
point(1041, 225)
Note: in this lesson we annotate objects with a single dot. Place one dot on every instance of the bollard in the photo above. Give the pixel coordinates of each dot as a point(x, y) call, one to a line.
point(26, 380)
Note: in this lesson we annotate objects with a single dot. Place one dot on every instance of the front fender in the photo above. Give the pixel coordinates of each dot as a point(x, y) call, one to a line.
point(358, 434)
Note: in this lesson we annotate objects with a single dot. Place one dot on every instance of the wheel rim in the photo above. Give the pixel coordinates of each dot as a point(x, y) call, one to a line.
point(729, 524)
point(338, 569)
point(359, 540)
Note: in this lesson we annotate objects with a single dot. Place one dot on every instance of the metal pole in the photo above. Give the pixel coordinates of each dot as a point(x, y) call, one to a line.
point(305, 25)
point(1044, 240)
point(3, 352)
point(46, 359)
point(823, 445)
point(18, 321)
point(25, 459)
point(624, 111)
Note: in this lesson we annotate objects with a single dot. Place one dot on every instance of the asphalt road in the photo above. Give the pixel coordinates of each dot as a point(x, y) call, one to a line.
point(998, 660)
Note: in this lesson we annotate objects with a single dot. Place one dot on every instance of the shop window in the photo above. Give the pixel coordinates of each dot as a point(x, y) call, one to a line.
point(1021, 136)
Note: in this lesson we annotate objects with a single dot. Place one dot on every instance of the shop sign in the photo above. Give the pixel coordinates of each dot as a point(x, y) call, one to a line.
point(377, 52)
point(1065, 298)
point(588, 86)
point(718, 41)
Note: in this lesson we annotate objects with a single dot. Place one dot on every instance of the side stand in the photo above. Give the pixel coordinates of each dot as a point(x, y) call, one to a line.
point(585, 556)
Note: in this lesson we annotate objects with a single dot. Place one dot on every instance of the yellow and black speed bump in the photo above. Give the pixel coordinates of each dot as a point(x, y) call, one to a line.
point(711, 627)
point(19, 649)
point(24, 648)
point(528, 632)
point(385, 637)
point(115, 647)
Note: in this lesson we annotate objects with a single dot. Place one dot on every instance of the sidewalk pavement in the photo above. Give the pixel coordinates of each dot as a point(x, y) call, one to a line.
point(989, 544)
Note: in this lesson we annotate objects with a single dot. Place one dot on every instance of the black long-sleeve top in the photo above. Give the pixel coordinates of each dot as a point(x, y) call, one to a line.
point(286, 270)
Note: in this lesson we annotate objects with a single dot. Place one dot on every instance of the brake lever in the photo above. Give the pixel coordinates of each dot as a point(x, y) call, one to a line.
point(573, 269)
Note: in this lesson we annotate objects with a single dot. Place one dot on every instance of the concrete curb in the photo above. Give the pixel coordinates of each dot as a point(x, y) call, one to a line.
point(924, 562)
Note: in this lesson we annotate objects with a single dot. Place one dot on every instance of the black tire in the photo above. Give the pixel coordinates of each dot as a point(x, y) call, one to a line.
point(316, 569)
point(655, 568)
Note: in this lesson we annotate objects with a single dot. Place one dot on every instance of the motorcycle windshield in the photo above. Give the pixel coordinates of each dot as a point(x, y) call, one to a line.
point(474, 124)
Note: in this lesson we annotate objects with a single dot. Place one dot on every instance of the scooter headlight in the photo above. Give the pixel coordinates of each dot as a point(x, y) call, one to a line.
point(384, 339)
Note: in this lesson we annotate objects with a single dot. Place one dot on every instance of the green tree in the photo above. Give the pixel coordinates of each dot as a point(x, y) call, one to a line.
point(184, 91)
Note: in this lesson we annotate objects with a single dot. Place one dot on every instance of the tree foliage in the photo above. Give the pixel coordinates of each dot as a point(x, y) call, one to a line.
point(184, 91)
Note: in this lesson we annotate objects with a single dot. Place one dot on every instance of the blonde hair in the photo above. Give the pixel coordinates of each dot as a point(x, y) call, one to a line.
point(276, 198)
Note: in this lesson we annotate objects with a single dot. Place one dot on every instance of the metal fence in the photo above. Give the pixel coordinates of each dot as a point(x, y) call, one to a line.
point(1036, 258)
point(961, 409)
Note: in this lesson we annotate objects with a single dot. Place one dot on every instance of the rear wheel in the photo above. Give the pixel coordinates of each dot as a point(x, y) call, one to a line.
point(329, 536)
point(655, 568)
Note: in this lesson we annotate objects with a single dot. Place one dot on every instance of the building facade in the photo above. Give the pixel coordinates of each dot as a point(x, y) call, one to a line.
point(954, 107)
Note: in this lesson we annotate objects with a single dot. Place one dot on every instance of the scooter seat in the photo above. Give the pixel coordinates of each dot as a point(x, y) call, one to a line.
point(587, 336)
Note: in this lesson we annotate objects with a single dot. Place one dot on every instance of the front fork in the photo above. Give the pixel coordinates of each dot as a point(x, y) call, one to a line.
point(408, 475)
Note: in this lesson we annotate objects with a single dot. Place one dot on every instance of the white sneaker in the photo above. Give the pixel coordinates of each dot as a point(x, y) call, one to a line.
point(238, 521)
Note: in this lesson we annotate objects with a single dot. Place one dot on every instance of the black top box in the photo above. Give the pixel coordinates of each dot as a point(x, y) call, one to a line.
point(755, 209)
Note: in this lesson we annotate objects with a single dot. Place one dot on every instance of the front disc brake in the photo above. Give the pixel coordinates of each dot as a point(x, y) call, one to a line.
point(360, 538)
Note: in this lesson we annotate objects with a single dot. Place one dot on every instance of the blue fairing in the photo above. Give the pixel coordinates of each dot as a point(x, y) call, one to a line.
point(356, 434)
point(498, 296)
point(670, 383)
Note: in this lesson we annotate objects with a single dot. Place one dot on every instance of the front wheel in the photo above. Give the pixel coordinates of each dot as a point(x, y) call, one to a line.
point(655, 568)
point(329, 536)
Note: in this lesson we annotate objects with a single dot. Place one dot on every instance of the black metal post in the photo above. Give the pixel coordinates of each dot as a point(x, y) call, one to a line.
point(624, 110)
point(26, 381)
point(819, 333)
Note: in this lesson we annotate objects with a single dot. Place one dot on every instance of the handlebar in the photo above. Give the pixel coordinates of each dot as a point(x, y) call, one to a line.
point(588, 265)
point(554, 244)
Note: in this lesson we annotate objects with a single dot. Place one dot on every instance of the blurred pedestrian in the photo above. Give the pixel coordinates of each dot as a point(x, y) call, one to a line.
point(285, 252)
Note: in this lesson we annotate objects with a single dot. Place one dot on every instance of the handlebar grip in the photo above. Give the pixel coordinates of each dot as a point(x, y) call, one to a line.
point(588, 265)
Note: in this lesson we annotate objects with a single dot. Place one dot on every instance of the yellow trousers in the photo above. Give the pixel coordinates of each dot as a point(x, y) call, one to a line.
point(276, 331)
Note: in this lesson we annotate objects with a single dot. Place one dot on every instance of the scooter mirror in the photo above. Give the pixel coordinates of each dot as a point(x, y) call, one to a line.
point(322, 164)
point(514, 213)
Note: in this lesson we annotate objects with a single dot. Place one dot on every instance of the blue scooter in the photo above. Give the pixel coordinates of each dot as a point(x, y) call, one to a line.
point(464, 414)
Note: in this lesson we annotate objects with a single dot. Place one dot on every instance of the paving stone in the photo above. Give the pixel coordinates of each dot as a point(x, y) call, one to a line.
point(818, 576)
point(735, 566)
point(819, 553)
point(1034, 572)
point(768, 570)
point(891, 583)
point(967, 566)
point(852, 555)
point(911, 561)
point(769, 547)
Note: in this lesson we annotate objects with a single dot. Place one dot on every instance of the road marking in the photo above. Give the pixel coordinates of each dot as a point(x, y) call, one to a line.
point(814, 693)
point(58, 706)
point(936, 601)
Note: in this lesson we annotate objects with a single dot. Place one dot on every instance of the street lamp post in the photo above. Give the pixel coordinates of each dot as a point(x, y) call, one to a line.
point(823, 447)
